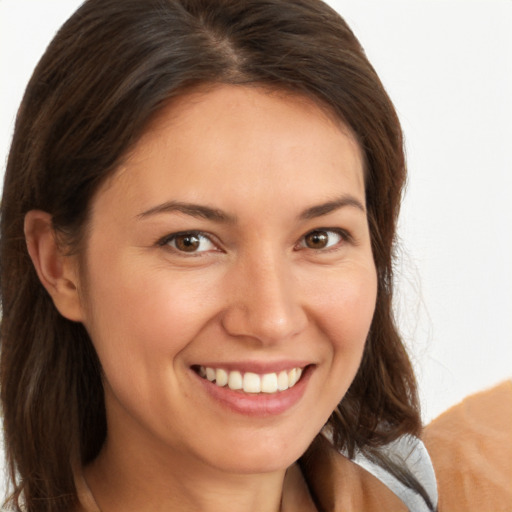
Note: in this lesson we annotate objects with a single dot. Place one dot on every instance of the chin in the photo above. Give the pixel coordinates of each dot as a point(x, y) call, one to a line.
point(261, 456)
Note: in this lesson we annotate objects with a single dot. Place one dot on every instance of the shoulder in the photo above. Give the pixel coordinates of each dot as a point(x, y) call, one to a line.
point(471, 450)
point(344, 485)
point(409, 455)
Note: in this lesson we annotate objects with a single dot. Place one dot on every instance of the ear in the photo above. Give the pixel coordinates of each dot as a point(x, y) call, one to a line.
point(57, 271)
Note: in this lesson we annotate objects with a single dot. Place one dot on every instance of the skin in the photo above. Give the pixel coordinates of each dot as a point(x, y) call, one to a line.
point(253, 291)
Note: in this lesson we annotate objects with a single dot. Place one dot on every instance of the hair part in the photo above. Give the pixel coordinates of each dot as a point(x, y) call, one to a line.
point(110, 69)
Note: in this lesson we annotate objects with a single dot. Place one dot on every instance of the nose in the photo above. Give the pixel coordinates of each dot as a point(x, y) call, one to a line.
point(263, 302)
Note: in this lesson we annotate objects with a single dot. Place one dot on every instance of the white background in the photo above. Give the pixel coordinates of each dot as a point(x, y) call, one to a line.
point(447, 65)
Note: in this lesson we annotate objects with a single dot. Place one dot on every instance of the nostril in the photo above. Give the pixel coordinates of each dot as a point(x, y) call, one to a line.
point(264, 322)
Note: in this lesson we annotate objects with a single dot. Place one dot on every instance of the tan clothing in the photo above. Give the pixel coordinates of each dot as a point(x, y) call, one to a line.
point(471, 449)
point(342, 486)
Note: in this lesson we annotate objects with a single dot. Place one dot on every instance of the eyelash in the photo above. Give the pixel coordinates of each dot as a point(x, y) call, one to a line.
point(343, 234)
point(167, 240)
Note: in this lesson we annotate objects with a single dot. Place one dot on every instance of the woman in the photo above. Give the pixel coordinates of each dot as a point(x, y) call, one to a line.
point(197, 230)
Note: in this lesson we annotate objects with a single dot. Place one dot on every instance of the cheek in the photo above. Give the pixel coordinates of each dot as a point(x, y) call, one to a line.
point(140, 322)
point(346, 307)
point(141, 315)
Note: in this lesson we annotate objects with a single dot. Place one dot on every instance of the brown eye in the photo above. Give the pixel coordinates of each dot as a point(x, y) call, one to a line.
point(322, 239)
point(316, 240)
point(189, 242)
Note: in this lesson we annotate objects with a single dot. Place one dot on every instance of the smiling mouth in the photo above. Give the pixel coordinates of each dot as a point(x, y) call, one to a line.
point(249, 382)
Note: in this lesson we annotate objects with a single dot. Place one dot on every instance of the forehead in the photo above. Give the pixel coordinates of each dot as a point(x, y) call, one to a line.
point(251, 139)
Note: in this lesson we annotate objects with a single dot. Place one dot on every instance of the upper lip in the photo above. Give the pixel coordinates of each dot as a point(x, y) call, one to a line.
point(259, 367)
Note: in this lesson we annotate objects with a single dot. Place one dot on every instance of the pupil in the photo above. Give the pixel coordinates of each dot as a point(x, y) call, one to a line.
point(187, 243)
point(317, 240)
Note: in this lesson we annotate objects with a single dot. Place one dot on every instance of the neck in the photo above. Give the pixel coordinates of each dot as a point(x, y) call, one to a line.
point(124, 481)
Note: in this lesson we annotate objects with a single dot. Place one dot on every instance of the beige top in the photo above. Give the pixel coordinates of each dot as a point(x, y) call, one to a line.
point(471, 449)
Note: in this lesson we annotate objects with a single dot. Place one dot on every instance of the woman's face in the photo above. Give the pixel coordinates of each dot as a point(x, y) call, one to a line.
point(232, 245)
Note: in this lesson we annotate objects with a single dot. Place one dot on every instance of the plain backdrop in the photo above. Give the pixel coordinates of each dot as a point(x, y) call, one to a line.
point(447, 65)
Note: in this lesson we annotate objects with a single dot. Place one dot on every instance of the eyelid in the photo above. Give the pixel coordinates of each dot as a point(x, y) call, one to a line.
point(342, 233)
point(165, 241)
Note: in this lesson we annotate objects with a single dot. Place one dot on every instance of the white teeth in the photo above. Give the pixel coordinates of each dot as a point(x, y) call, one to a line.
point(221, 377)
point(269, 383)
point(282, 381)
point(251, 382)
point(235, 380)
point(292, 377)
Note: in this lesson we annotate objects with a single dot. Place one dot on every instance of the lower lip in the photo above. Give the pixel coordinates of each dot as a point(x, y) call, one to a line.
point(261, 404)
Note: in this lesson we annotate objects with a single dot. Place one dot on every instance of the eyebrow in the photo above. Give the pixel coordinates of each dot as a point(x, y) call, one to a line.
point(194, 210)
point(331, 206)
point(217, 215)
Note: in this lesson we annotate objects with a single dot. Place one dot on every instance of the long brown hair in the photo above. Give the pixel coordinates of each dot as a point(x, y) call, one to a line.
point(108, 71)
